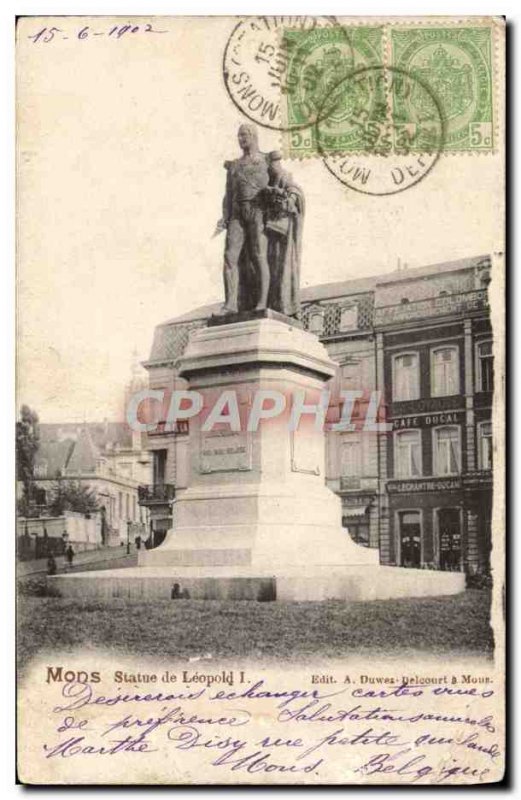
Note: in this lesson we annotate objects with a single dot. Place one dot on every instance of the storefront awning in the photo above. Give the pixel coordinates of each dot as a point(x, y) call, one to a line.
point(354, 511)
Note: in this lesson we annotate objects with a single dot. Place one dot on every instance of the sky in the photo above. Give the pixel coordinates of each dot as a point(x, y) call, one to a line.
point(121, 145)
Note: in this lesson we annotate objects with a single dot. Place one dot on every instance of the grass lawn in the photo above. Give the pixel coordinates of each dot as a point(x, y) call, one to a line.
point(457, 625)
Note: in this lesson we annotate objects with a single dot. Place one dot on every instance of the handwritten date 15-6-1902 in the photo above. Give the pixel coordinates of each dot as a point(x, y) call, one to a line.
point(46, 35)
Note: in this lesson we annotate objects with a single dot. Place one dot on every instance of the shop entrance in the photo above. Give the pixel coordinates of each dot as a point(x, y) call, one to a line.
point(410, 538)
point(449, 531)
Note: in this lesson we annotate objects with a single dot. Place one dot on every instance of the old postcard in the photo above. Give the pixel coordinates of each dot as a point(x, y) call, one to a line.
point(260, 444)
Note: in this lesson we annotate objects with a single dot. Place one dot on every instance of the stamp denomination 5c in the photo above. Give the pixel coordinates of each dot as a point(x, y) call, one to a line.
point(452, 64)
point(319, 65)
point(456, 64)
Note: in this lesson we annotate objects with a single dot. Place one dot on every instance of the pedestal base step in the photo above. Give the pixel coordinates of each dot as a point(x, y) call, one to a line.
point(220, 583)
point(225, 557)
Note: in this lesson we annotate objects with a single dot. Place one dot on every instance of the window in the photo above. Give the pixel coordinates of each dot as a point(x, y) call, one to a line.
point(159, 467)
point(351, 457)
point(444, 371)
point(125, 468)
point(409, 525)
point(358, 530)
point(406, 385)
point(356, 520)
point(316, 321)
point(447, 451)
point(39, 496)
point(356, 375)
point(351, 376)
point(448, 521)
point(485, 367)
point(407, 454)
point(348, 318)
point(485, 445)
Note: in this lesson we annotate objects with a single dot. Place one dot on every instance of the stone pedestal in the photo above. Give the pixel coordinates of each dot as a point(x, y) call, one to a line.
point(258, 499)
point(257, 521)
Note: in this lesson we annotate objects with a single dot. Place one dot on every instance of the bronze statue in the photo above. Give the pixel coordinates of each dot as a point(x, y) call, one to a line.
point(263, 212)
point(284, 218)
point(246, 271)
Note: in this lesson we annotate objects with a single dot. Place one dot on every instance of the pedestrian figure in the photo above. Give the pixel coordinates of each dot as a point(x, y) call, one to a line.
point(70, 555)
point(51, 565)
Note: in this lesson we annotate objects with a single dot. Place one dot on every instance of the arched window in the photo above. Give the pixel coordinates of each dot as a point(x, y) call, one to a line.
point(407, 454)
point(484, 367)
point(351, 456)
point(316, 321)
point(444, 371)
point(447, 450)
point(406, 382)
point(485, 445)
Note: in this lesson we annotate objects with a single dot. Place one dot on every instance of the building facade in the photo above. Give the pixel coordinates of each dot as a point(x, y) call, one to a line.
point(108, 458)
point(435, 366)
point(422, 492)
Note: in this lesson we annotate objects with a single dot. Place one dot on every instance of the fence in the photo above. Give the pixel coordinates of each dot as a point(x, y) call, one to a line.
point(39, 536)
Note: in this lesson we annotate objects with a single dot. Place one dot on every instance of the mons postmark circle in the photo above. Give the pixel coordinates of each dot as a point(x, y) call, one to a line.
point(257, 60)
point(371, 140)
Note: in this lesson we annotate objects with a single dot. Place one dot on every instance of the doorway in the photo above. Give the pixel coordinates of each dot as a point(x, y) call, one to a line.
point(449, 533)
point(410, 538)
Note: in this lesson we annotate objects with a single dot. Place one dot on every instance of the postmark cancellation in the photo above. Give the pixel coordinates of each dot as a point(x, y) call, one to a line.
point(435, 89)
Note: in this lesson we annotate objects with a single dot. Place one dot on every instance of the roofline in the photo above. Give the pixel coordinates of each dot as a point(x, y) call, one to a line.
point(202, 313)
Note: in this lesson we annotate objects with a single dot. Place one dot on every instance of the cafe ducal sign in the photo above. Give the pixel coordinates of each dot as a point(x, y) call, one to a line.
point(427, 420)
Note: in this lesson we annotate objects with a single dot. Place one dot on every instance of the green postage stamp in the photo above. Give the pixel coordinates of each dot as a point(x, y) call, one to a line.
point(381, 90)
point(320, 66)
point(456, 64)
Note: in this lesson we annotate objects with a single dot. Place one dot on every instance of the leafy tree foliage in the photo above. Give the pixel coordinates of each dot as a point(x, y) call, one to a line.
point(72, 496)
point(27, 443)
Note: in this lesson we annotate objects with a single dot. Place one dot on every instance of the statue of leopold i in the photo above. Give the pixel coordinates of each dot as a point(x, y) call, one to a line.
point(263, 214)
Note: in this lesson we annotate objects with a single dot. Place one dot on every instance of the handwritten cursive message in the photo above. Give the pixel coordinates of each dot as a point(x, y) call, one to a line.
point(260, 729)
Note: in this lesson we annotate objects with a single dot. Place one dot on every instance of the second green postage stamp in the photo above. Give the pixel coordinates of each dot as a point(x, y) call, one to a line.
point(456, 64)
point(388, 89)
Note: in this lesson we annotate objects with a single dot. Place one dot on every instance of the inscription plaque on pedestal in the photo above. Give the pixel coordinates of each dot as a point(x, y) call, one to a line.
point(303, 454)
point(225, 451)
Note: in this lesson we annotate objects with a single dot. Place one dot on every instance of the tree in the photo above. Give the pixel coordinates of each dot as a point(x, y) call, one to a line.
point(27, 443)
point(72, 496)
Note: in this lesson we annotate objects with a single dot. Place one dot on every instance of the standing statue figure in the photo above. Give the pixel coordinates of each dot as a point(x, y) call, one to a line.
point(263, 213)
point(284, 217)
point(246, 271)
